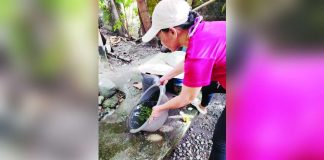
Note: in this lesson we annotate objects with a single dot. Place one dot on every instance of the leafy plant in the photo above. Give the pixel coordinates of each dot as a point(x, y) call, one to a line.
point(125, 3)
point(151, 5)
point(118, 24)
point(105, 10)
point(144, 114)
point(146, 107)
point(135, 10)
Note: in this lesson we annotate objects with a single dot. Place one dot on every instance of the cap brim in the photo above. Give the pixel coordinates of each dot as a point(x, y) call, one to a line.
point(150, 34)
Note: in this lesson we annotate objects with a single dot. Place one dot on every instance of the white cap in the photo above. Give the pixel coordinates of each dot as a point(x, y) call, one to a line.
point(166, 14)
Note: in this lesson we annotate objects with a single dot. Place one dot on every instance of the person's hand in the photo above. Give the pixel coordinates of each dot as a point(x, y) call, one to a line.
point(164, 80)
point(156, 112)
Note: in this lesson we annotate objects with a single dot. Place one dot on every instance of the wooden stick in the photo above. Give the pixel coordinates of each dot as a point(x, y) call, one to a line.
point(203, 5)
point(120, 58)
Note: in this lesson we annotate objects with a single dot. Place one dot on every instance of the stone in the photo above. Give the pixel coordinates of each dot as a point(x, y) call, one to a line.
point(100, 99)
point(198, 156)
point(110, 102)
point(154, 137)
point(107, 88)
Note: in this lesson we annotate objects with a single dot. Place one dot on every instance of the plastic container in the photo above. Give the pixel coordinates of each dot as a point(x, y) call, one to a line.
point(133, 121)
point(148, 80)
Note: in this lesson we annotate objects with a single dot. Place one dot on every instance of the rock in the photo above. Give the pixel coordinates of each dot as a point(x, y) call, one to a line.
point(110, 102)
point(107, 88)
point(154, 137)
point(198, 156)
point(100, 99)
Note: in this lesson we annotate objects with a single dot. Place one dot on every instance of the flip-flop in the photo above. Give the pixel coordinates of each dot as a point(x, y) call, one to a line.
point(196, 103)
point(201, 111)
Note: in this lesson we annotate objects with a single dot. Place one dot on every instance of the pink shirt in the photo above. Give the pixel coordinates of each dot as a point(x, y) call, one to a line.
point(205, 59)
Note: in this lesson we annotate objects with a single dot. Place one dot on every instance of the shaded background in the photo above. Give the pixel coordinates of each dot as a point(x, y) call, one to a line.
point(48, 79)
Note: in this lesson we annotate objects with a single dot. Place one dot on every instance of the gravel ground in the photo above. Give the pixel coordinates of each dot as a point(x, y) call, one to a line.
point(197, 142)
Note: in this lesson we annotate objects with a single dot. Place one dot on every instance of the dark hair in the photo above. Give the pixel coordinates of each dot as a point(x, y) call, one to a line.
point(190, 21)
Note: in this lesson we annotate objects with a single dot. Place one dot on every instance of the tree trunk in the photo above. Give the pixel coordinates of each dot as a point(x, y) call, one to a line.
point(145, 19)
point(144, 14)
point(141, 31)
point(125, 22)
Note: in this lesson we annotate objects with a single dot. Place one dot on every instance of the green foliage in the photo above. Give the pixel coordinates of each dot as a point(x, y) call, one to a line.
point(197, 3)
point(125, 3)
point(102, 4)
point(105, 10)
point(151, 5)
point(106, 16)
point(135, 10)
point(118, 24)
point(122, 16)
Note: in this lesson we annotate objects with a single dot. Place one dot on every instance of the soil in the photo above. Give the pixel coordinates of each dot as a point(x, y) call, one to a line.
point(127, 53)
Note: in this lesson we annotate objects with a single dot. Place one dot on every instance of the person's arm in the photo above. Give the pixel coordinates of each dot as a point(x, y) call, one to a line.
point(187, 95)
point(178, 69)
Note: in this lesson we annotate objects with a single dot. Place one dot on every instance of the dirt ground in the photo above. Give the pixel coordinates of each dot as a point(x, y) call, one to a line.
point(126, 52)
point(129, 53)
point(197, 142)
